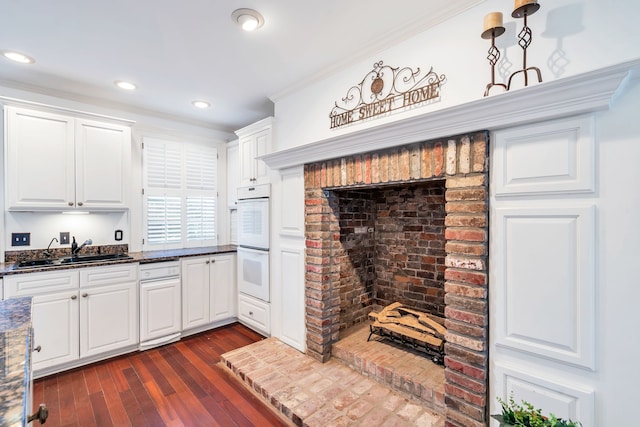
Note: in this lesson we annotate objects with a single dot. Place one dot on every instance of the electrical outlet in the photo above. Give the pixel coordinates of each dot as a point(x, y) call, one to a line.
point(64, 237)
point(20, 239)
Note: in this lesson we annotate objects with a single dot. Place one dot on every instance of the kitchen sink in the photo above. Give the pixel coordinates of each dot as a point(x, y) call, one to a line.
point(77, 259)
point(93, 258)
point(34, 263)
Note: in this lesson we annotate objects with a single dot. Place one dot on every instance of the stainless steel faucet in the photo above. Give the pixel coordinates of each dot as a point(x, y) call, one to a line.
point(46, 252)
point(75, 248)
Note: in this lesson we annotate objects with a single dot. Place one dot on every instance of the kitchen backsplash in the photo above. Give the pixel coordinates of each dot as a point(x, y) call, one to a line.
point(13, 256)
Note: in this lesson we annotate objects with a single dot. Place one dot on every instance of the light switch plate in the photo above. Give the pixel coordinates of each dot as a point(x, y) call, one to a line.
point(20, 239)
point(64, 237)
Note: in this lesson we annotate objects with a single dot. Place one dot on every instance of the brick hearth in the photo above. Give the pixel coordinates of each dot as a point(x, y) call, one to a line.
point(462, 162)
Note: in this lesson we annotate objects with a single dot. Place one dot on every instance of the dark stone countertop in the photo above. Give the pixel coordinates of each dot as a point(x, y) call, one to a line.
point(15, 343)
point(146, 257)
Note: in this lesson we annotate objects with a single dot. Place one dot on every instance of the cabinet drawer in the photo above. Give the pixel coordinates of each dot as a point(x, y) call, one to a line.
point(254, 312)
point(97, 276)
point(39, 283)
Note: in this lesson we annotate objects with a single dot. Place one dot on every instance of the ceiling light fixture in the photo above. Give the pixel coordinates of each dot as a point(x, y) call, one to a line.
point(18, 57)
point(248, 19)
point(125, 85)
point(201, 104)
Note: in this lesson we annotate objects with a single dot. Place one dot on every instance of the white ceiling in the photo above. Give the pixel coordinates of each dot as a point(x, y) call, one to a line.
point(178, 51)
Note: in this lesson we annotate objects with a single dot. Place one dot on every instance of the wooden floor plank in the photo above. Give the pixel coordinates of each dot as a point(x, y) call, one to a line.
point(84, 412)
point(100, 410)
point(116, 409)
point(180, 384)
point(67, 409)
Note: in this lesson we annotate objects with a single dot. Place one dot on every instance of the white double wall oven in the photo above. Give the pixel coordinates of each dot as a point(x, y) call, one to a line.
point(253, 241)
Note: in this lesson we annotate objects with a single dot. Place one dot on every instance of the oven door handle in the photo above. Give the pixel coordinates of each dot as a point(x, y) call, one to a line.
point(252, 250)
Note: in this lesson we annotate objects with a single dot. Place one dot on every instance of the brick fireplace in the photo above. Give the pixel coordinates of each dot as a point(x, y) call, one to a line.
point(406, 224)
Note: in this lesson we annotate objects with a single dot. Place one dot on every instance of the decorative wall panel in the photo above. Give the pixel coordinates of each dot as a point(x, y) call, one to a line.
point(555, 157)
point(545, 282)
point(556, 396)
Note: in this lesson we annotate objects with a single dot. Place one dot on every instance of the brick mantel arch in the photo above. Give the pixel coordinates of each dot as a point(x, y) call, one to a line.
point(462, 162)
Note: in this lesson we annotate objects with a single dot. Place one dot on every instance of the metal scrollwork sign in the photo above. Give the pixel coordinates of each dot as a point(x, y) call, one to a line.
point(385, 89)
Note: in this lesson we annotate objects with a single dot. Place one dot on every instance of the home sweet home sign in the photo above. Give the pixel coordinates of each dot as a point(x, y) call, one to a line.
point(385, 89)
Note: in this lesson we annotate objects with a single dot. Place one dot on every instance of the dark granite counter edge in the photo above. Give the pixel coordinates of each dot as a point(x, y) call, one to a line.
point(15, 336)
point(145, 257)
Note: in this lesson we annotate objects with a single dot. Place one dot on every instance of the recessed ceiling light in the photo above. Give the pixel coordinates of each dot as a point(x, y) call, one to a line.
point(18, 57)
point(201, 104)
point(125, 85)
point(248, 19)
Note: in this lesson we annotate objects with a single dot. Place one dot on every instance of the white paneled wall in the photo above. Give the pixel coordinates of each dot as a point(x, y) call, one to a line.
point(544, 226)
point(287, 258)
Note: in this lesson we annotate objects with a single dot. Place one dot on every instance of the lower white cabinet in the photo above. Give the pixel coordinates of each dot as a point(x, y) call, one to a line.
point(254, 313)
point(55, 324)
point(55, 313)
point(79, 314)
point(208, 290)
point(108, 308)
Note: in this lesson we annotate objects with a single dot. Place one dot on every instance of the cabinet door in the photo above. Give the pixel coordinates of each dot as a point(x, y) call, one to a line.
point(55, 329)
point(233, 174)
point(262, 147)
point(108, 318)
point(247, 152)
point(103, 153)
point(159, 308)
point(195, 292)
point(40, 160)
point(223, 287)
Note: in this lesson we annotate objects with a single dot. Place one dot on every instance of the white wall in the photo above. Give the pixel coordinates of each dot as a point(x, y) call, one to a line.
point(585, 34)
point(618, 256)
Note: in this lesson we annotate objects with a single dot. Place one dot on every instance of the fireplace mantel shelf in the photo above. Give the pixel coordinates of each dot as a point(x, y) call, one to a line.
point(583, 93)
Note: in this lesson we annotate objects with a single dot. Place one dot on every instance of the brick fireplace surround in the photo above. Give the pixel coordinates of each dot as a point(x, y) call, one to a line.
point(462, 163)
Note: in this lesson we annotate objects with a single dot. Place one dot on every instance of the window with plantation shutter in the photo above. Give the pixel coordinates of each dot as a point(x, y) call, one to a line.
point(180, 194)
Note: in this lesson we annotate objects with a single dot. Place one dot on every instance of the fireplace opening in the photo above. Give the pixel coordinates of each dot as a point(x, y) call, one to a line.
point(392, 249)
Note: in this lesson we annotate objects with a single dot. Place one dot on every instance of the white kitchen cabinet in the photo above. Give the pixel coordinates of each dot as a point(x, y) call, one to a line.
point(55, 312)
point(233, 174)
point(59, 162)
point(208, 290)
point(254, 313)
point(79, 315)
point(222, 295)
point(254, 141)
point(108, 308)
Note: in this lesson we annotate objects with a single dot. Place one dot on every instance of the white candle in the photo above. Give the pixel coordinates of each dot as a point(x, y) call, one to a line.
point(519, 3)
point(492, 20)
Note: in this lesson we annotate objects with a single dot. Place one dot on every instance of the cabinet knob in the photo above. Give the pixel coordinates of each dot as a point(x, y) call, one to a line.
point(70, 203)
point(74, 296)
point(251, 313)
point(84, 295)
point(207, 262)
point(79, 203)
point(38, 349)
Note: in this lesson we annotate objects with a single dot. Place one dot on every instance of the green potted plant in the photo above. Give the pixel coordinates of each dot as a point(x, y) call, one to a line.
point(526, 415)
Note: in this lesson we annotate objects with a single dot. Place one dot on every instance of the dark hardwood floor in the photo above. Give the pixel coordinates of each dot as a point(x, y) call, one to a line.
point(176, 385)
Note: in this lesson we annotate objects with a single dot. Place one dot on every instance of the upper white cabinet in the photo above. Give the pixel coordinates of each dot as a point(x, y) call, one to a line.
point(255, 141)
point(59, 162)
point(233, 174)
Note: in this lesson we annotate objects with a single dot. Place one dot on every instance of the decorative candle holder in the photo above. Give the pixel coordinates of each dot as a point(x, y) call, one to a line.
point(493, 28)
point(524, 8)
